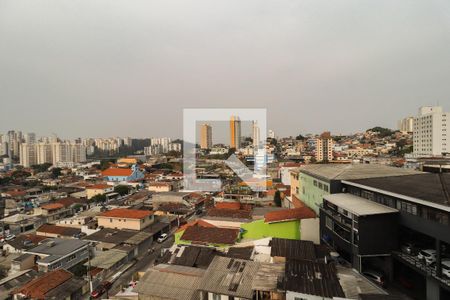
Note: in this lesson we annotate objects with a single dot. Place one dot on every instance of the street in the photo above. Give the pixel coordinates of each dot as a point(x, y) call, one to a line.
point(142, 264)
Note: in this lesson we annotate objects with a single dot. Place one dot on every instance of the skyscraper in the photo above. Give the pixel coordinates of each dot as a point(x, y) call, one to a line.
point(430, 132)
point(235, 132)
point(206, 136)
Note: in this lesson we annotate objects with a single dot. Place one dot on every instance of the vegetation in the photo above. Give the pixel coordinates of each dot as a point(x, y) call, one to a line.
point(277, 198)
point(100, 198)
point(382, 132)
point(300, 137)
point(122, 189)
point(56, 172)
point(41, 168)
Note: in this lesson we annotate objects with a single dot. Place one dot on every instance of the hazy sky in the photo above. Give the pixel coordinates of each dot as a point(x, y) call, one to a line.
point(128, 68)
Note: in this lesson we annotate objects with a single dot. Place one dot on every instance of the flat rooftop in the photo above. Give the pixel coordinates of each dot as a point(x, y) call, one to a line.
point(354, 171)
point(430, 187)
point(357, 205)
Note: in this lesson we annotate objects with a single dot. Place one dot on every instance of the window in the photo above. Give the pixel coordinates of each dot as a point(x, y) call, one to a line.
point(315, 182)
point(326, 188)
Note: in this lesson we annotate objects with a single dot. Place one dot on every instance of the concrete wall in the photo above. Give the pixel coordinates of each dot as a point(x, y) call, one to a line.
point(123, 223)
point(310, 230)
point(311, 194)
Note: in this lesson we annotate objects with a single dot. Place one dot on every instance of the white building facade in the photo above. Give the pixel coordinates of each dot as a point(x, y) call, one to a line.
point(430, 136)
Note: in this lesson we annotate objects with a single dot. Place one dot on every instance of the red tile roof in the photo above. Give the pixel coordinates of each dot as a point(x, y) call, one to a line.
point(52, 206)
point(198, 222)
point(37, 288)
point(68, 201)
point(126, 213)
point(210, 235)
point(117, 172)
point(228, 205)
point(59, 230)
point(290, 214)
point(229, 213)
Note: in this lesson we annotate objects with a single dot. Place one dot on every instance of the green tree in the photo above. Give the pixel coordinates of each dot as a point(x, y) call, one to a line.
point(122, 189)
point(300, 137)
point(277, 198)
point(41, 167)
point(99, 198)
point(56, 172)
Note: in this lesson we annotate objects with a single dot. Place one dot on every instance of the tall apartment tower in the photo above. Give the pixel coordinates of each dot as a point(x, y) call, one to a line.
point(256, 135)
point(324, 147)
point(205, 136)
point(406, 124)
point(28, 155)
point(235, 132)
point(430, 132)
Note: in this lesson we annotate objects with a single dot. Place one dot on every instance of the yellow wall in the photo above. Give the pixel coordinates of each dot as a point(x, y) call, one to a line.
point(123, 223)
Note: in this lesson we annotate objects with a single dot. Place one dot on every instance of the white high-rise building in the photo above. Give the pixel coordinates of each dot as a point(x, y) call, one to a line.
point(28, 155)
point(406, 124)
point(271, 134)
point(163, 142)
point(63, 152)
point(44, 153)
point(430, 132)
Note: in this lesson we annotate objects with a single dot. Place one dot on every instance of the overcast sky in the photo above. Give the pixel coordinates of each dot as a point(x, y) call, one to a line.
point(128, 68)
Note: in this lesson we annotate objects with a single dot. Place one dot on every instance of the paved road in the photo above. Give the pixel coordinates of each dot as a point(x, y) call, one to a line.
point(142, 264)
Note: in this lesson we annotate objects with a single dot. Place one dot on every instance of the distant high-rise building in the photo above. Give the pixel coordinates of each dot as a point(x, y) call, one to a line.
point(205, 136)
point(256, 135)
point(163, 142)
point(406, 124)
point(44, 153)
point(28, 155)
point(271, 134)
point(30, 138)
point(430, 135)
point(64, 153)
point(235, 132)
point(324, 147)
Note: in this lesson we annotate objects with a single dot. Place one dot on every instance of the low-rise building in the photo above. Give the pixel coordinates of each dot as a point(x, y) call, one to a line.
point(59, 253)
point(98, 189)
point(121, 218)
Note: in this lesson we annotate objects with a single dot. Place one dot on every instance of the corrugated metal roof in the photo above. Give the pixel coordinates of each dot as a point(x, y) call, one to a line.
point(266, 278)
point(170, 282)
point(230, 276)
point(138, 238)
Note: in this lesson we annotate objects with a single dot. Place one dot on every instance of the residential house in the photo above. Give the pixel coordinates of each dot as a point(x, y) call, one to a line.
point(98, 189)
point(121, 218)
point(210, 236)
point(55, 231)
point(59, 253)
point(59, 285)
point(22, 223)
point(22, 243)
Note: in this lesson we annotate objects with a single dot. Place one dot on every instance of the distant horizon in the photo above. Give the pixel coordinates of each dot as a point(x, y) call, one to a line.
point(120, 68)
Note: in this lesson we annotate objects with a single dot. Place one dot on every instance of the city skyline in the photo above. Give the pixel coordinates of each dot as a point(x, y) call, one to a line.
point(153, 60)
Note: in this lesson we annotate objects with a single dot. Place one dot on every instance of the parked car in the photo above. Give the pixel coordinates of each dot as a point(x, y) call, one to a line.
point(10, 237)
point(428, 255)
point(162, 237)
point(376, 277)
point(101, 289)
point(445, 265)
point(409, 248)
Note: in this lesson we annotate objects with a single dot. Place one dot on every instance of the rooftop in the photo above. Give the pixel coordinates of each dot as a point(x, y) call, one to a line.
point(293, 249)
point(56, 247)
point(52, 206)
point(290, 214)
point(98, 187)
point(210, 235)
point(311, 278)
point(59, 230)
point(430, 187)
point(354, 171)
point(117, 172)
point(229, 213)
point(267, 277)
point(108, 235)
point(357, 205)
point(39, 287)
point(107, 259)
point(194, 256)
point(170, 282)
point(230, 276)
point(26, 241)
point(126, 213)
